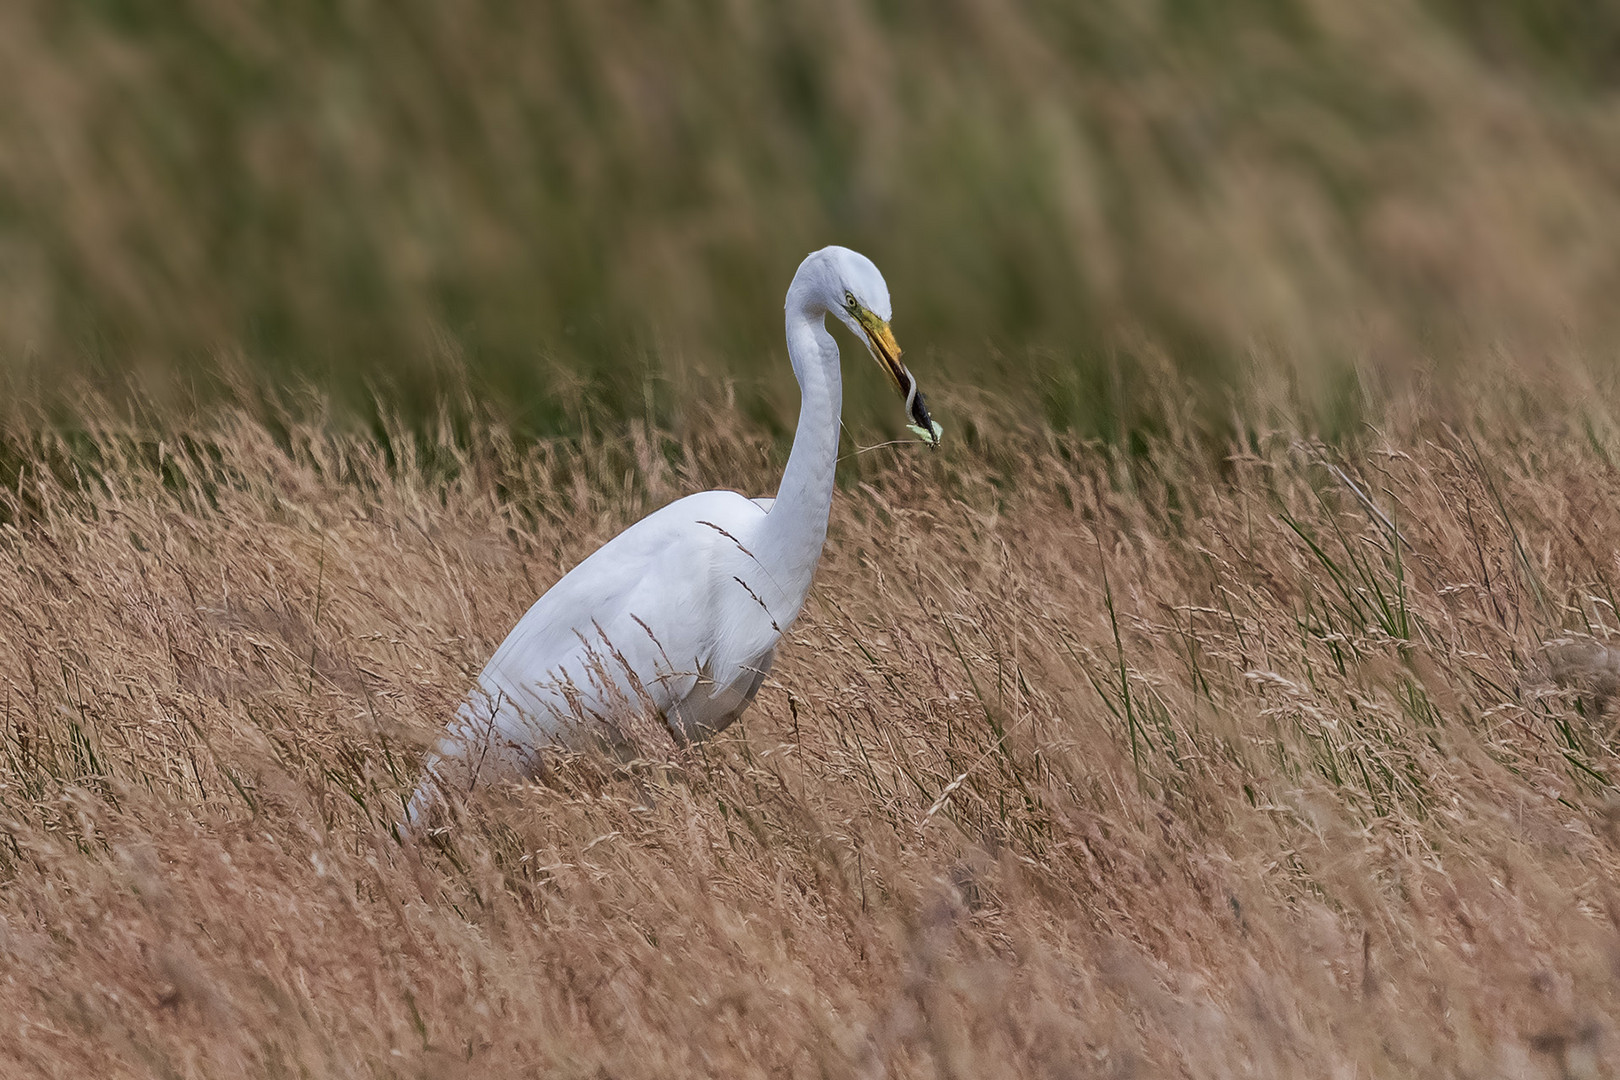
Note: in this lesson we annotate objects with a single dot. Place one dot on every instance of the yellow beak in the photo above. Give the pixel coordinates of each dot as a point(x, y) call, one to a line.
point(886, 351)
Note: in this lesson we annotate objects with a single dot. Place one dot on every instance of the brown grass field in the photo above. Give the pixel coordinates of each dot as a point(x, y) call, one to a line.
point(1232, 695)
point(1079, 763)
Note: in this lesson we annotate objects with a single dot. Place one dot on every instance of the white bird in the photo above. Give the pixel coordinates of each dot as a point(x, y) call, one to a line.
point(674, 623)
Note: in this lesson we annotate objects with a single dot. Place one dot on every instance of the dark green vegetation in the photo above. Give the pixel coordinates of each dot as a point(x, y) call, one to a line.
point(604, 201)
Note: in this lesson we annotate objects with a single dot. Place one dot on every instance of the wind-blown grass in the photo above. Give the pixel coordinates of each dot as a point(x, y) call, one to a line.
point(1181, 762)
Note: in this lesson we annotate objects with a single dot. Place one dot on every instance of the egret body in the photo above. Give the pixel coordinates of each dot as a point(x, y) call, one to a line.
point(675, 622)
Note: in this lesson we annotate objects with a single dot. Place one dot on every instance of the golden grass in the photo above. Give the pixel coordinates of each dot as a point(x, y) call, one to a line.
point(1214, 751)
point(1077, 764)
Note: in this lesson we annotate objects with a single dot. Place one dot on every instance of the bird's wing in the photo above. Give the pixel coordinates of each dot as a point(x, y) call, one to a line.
point(658, 571)
point(764, 504)
point(639, 631)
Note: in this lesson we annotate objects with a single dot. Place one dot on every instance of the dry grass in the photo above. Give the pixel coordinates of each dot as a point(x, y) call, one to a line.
point(1214, 751)
point(1078, 764)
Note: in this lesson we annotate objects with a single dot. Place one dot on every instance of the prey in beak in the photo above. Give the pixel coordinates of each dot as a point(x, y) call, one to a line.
point(886, 351)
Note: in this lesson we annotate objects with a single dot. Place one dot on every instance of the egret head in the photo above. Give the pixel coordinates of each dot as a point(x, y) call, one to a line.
point(854, 290)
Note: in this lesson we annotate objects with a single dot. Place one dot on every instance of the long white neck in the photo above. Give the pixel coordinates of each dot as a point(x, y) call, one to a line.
point(796, 527)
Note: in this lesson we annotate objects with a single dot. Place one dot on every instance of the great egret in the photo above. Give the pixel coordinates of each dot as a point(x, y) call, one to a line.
point(674, 623)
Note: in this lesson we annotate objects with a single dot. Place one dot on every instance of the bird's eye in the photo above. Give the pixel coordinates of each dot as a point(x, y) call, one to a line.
point(849, 299)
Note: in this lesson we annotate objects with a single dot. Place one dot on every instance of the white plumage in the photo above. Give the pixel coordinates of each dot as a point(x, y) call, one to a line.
point(674, 623)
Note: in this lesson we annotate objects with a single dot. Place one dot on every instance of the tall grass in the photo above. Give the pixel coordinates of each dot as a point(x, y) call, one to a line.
point(1082, 759)
point(378, 195)
point(1231, 695)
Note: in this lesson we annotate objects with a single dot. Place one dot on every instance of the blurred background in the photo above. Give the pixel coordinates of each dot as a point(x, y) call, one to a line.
point(604, 200)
